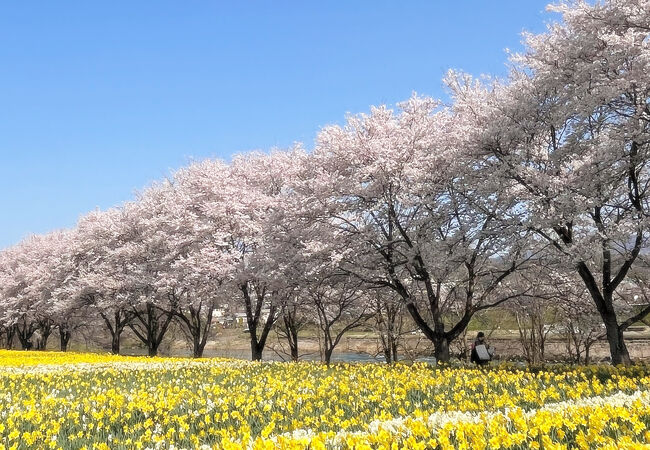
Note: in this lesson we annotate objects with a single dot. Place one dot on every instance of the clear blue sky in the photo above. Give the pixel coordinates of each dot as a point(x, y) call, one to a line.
point(98, 99)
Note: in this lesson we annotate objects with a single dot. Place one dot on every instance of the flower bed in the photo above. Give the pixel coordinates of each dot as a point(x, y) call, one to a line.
point(99, 401)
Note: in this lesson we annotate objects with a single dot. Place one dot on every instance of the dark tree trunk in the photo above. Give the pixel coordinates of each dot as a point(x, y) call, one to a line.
point(254, 318)
point(204, 331)
point(65, 333)
point(197, 347)
point(25, 344)
point(291, 331)
point(389, 324)
point(116, 326)
point(617, 347)
point(603, 294)
point(328, 343)
point(195, 325)
point(436, 333)
point(331, 338)
point(437, 336)
point(441, 349)
point(115, 343)
point(11, 333)
point(46, 330)
point(327, 355)
point(64, 337)
point(150, 326)
point(256, 351)
point(293, 343)
point(388, 355)
point(389, 346)
point(605, 306)
point(292, 338)
point(152, 349)
point(294, 353)
point(390, 350)
point(25, 331)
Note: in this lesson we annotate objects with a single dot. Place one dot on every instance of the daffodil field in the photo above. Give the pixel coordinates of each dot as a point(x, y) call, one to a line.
point(71, 400)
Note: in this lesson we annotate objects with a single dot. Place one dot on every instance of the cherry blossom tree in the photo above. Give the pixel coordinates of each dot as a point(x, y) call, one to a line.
point(404, 216)
point(445, 207)
point(580, 321)
point(194, 261)
point(295, 315)
point(147, 252)
point(388, 314)
point(237, 208)
point(13, 284)
point(341, 305)
point(103, 279)
point(32, 272)
point(567, 135)
point(64, 313)
point(298, 259)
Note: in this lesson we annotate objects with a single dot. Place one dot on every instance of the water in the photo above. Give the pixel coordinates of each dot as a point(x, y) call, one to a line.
point(269, 355)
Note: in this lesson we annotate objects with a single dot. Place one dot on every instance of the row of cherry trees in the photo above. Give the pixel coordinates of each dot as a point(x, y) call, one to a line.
point(444, 210)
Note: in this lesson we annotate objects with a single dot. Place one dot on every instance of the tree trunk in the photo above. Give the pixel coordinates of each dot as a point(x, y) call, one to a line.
point(256, 350)
point(25, 344)
point(573, 343)
point(115, 343)
point(150, 326)
point(437, 334)
point(254, 317)
point(441, 349)
point(257, 345)
point(328, 355)
point(120, 319)
point(45, 334)
point(292, 337)
point(388, 355)
point(191, 318)
point(389, 346)
point(199, 346)
point(25, 333)
point(11, 332)
point(605, 306)
point(64, 338)
point(152, 348)
point(617, 348)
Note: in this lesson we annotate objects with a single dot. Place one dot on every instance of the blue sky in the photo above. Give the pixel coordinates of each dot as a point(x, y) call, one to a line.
point(98, 99)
